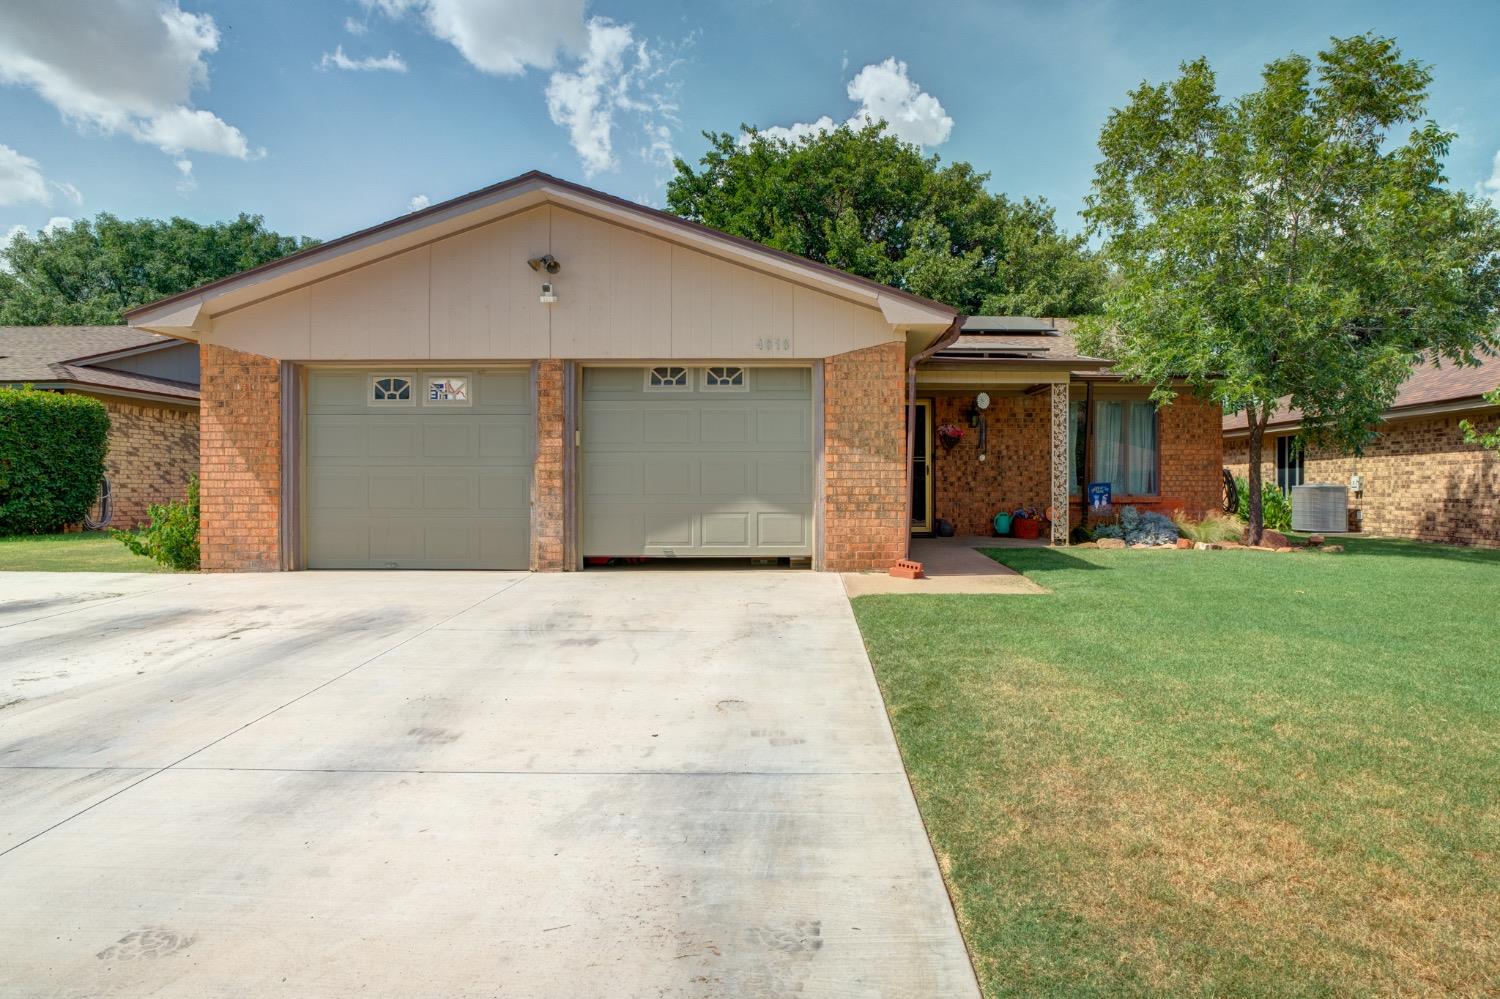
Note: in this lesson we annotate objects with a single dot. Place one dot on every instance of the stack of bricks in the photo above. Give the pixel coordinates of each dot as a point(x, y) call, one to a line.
point(864, 453)
point(547, 483)
point(240, 461)
point(153, 451)
point(1420, 480)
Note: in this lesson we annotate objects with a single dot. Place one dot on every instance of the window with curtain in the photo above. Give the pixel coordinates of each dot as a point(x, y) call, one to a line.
point(1288, 464)
point(1125, 446)
point(1075, 447)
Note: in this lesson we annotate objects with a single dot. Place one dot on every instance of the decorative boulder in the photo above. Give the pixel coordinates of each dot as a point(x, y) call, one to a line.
point(1316, 539)
point(1111, 542)
point(1184, 543)
point(1332, 549)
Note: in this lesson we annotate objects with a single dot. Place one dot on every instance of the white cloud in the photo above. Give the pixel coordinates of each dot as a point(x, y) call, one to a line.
point(1491, 188)
point(186, 182)
point(602, 74)
point(355, 27)
point(417, 203)
point(67, 190)
point(886, 93)
point(336, 59)
point(21, 179)
point(500, 37)
point(121, 67)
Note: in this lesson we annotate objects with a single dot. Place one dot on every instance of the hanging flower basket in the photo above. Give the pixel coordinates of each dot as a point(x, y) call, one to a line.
point(950, 434)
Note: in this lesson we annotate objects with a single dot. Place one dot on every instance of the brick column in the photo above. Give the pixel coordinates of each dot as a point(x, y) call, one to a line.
point(864, 458)
point(1059, 491)
point(239, 471)
point(547, 482)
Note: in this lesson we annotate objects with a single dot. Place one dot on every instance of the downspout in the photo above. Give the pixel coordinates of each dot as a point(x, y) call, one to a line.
point(948, 337)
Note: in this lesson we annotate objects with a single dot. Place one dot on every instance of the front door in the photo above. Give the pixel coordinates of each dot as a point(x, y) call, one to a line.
point(921, 470)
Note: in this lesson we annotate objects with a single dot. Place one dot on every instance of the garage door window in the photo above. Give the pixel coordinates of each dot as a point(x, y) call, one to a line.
point(724, 378)
point(668, 378)
point(387, 390)
point(448, 390)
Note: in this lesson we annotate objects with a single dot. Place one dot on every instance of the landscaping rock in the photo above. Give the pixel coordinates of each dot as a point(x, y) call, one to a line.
point(1315, 539)
point(1208, 546)
point(1111, 543)
point(1332, 549)
point(1274, 539)
point(1184, 543)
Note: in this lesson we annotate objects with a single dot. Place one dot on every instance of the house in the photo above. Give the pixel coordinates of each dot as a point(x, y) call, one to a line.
point(1417, 478)
point(147, 382)
point(537, 374)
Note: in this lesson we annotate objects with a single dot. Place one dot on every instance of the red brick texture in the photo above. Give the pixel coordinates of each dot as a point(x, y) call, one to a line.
point(240, 461)
point(1016, 471)
point(547, 479)
point(1420, 480)
point(864, 458)
point(153, 451)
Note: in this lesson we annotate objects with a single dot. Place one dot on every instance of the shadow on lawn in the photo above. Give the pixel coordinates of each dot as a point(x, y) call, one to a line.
point(1027, 559)
point(1402, 548)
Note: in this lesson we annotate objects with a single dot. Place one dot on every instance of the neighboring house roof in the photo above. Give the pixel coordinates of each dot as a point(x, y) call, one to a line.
point(72, 357)
point(1018, 341)
point(1432, 385)
point(185, 312)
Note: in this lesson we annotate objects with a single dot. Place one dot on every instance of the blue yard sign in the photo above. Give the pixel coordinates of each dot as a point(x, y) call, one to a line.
point(1100, 494)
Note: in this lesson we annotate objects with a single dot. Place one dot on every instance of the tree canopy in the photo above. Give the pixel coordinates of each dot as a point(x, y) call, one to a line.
point(1288, 243)
point(94, 270)
point(866, 202)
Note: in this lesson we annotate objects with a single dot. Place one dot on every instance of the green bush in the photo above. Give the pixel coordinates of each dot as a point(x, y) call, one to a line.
point(172, 535)
point(1276, 506)
point(52, 448)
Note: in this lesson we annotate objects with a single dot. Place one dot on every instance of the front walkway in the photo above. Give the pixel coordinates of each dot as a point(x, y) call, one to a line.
point(456, 784)
point(952, 566)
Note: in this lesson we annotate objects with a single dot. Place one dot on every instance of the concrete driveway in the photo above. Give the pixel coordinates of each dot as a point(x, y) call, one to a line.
point(668, 783)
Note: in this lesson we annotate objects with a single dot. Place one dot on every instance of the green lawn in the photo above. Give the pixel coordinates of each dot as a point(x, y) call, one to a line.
point(1212, 773)
point(86, 552)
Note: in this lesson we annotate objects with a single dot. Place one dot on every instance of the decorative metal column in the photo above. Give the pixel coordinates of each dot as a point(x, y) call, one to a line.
point(1059, 463)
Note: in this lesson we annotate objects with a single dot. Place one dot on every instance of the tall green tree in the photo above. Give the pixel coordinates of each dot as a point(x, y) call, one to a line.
point(1288, 243)
point(864, 201)
point(94, 270)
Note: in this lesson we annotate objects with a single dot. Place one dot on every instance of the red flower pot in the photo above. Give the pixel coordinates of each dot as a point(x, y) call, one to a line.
point(1026, 527)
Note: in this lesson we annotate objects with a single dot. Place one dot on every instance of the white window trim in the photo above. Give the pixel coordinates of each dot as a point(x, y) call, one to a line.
point(744, 385)
point(411, 378)
point(686, 386)
point(427, 381)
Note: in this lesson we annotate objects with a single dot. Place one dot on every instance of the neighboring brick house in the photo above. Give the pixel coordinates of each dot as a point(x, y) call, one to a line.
point(538, 375)
point(1417, 478)
point(149, 385)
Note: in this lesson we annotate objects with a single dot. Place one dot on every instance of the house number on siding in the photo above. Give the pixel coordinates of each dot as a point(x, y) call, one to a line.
point(774, 344)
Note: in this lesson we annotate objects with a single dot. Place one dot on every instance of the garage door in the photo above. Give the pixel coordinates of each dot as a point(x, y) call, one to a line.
point(419, 469)
point(697, 461)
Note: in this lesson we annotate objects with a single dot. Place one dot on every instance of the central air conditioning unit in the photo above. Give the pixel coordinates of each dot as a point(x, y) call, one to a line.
point(1320, 509)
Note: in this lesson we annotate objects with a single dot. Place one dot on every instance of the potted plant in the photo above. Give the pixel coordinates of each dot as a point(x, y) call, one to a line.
point(950, 434)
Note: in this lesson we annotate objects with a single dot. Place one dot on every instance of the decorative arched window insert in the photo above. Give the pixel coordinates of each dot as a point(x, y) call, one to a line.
point(389, 390)
point(726, 378)
point(668, 378)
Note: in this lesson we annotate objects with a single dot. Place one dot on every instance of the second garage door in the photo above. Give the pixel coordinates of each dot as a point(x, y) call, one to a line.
point(419, 469)
point(697, 461)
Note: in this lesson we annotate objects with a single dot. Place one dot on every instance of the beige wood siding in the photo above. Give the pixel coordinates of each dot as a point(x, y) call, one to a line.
point(622, 295)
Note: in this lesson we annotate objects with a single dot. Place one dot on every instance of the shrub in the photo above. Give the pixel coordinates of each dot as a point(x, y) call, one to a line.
point(172, 535)
point(1137, 528)
point(1276, 506)
point(52, 448)
point(1213, 527)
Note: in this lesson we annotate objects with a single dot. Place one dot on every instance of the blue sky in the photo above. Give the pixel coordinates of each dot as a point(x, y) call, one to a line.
point(328, 115)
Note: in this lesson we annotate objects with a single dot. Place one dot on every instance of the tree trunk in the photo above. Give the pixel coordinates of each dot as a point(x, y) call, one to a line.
point(1255, 516)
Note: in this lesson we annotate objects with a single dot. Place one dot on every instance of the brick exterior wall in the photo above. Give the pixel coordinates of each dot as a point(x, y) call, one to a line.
point(864, 458)
point(1017, 469)
point(1420, 480)
point(547, 481)
point(240, 461)
point(153, 451)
